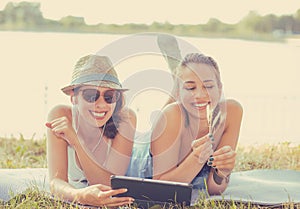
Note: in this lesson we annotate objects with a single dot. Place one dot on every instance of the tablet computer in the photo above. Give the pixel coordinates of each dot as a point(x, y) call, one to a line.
point(149, 192)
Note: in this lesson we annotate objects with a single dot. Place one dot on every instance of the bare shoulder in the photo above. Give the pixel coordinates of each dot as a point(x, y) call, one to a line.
point(234, 112)
point(172, 111)
point(233, 106)
point(169, 118)
point(60, 111)
point(129, 114)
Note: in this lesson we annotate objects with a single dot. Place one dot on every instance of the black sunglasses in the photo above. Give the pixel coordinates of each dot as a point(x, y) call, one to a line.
point(92, 95)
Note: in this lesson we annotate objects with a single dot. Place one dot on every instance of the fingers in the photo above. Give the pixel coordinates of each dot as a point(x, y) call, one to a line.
point(206, 146)
point(223, 150)
point(204, 155)
point(223, 159)
point(119, 201)
point(110, 193)
point(57, 121)
point(49, 125)
point(225, 156)
point(101, 195)
point(198, 142)
point(223, 162)
point(103, 187)
point(107, 198)
point(59, 126)
point(59, 131)
point(203, 152)
point(116, 201)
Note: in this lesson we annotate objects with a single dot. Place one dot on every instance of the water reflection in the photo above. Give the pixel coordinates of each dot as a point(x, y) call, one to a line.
point(262, 76)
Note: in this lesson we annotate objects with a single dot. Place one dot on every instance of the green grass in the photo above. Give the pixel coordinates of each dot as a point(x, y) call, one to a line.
point(268, 156)
point(22, 153)
point(30, 153)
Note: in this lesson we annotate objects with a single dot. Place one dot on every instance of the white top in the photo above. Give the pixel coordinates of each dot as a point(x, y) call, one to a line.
point(76, 176)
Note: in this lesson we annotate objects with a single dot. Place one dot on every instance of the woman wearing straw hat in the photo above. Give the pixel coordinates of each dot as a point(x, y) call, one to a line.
point(92, 139)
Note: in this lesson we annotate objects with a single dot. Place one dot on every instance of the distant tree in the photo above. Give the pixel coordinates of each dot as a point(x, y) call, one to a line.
point(267, 24)
point(297, 22)
point(250, 22)
point(28, 16)
point(72, 21)
point(286, 23)
point(2, 21)
point(23, 14)
point(297, 15)
point(213, 25)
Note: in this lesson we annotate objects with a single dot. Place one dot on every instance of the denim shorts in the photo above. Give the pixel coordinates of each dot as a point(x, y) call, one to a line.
point(141, 163)
point(199, 182)
point(141, 160)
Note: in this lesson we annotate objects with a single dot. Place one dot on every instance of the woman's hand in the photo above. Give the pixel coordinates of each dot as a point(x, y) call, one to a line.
point(202, 148)
point(101, 195)
point(62, 128)
point(224, 160)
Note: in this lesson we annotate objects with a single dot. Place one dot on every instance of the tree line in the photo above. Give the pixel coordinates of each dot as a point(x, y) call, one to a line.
point(27, 16)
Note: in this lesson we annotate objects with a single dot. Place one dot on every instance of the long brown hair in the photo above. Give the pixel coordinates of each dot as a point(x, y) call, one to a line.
point(112, 125)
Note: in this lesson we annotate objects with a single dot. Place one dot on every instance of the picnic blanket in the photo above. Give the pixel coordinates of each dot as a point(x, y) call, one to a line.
point(16, 181)
point(263, 187)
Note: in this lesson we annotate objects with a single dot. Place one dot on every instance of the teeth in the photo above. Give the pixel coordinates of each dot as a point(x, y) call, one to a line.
point(96, 114)
point(201, 105)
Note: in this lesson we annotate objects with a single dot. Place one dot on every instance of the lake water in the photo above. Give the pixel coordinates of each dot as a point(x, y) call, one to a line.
point(264, 77)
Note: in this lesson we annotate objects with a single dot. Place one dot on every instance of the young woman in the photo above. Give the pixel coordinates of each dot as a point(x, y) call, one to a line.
point(195, 138)
point(91, 139)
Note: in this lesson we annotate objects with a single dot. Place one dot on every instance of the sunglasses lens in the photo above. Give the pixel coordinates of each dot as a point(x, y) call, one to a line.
point(90, 95)
point(111, 96)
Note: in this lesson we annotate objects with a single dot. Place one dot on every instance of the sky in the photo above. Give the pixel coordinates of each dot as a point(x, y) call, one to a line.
point(175, 12)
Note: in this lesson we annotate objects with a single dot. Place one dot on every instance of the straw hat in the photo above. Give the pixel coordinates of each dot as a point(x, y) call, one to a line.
point(94, 70)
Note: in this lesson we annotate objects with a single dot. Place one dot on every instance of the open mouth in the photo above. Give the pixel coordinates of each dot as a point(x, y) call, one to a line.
point(201, 106)
point(98, 115)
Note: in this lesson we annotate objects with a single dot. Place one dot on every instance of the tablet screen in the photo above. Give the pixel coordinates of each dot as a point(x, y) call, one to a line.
point(149, 192)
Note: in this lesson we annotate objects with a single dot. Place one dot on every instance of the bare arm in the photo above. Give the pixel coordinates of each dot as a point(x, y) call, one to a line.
point(58, 160)
point(60, 135)
point(166, 147)
point(58, 163)
point(95, 173)
point(224, 156)
point(95, 195)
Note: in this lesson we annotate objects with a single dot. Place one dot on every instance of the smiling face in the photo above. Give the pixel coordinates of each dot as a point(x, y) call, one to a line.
point(95, 108)
point(198, 88)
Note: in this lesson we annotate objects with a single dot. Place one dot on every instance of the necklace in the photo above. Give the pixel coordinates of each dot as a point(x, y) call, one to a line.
point(100, 139)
